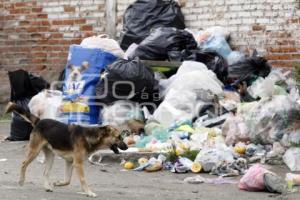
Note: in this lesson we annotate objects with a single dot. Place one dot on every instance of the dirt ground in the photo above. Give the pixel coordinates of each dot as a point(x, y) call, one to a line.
point(110, 182)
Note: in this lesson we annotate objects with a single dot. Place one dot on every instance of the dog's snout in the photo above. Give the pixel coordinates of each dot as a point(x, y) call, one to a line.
point(123, 146)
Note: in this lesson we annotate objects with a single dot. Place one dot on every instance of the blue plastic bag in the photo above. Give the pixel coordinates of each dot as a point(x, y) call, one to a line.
point(218, 44)
point(81, 76)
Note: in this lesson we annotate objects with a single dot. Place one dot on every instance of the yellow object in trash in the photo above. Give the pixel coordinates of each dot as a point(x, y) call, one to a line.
point(128, 165)
point(157, 166)
point(68, 107)
point(142, 161)
point(179, 151)
point(186, 128)
point(196, 167)
point(240, 149)
point(183, 146)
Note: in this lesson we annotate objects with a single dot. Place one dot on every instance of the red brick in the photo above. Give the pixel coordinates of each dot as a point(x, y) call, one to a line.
point(86, 28)
point(39, 54)
point(285, 42)
point(20, 11)
point(20, 4)
point(278, 57)
point(38, 60)
point(258, 27)
point(32, 29)
point(296, 56)
point(42, 16)
point(282, 64)
point(24, 23)
point(57, 35)
point(79, 21)
point(69, 9)
point(40, 23)
point(37, 10)
point(282, 49)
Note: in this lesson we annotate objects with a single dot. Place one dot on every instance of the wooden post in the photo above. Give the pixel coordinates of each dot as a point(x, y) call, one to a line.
point(111, 18)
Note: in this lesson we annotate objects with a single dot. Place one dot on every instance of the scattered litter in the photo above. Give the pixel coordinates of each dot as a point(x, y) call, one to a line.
point(215, 181)
point(258, 178)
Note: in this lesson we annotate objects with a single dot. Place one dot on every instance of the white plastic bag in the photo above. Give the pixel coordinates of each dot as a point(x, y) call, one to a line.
point(265, 87)
point(103, 42)
point(185, 92)
point(209, 158)
point(235, 130)
point(292, 158)
point(194, 76)
point(46, 104)
point(177, 106)
point(120, 112)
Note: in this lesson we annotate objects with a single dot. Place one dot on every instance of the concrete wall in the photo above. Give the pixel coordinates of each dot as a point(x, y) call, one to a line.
point(35, 34)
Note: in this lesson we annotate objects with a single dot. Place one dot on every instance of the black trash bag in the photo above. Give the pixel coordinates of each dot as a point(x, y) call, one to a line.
point(23, 87)
point(19, 128)
point(144, 15)
point(163, 42)
point(248, 70)
point(129, 80)
point(211, 59)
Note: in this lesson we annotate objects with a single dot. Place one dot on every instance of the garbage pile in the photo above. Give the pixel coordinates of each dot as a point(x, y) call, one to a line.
point(221, 111)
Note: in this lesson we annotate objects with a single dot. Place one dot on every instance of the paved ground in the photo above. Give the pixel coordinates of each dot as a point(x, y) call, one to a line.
point(111, 183)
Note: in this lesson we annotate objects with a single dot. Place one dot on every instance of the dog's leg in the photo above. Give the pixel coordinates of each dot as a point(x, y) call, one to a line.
point(49, 158)
point(78, 164)
point(68, 175)
point(35, 145)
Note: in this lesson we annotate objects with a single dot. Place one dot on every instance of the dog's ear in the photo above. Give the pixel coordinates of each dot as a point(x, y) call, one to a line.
point(113, 131)
point(70, 66)
point(84, 66)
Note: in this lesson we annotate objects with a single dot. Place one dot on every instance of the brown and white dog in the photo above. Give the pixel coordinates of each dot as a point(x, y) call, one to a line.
point(72, 142)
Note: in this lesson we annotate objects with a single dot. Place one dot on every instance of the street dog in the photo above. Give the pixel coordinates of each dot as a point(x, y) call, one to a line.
point(72, 142)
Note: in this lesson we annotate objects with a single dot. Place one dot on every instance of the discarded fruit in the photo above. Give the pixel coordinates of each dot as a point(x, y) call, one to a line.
point(142, 161)
point(128, 165)
point(240, 149)
point(196, 167)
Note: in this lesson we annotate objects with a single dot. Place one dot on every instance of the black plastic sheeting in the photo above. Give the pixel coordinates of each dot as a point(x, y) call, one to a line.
point(211, 59)
point(144, 15)
point(23, 87)
point(163, 43)
point(248, 70)
point(129, 80)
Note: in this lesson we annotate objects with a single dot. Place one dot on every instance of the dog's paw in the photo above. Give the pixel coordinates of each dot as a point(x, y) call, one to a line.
point(60, 183)
point(88, 194)
point(48, 187)
point(21, 182)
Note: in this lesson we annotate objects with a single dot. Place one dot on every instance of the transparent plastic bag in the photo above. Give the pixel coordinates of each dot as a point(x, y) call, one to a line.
point(121, 112)
point(46, 104)
point(209, 158)
point(235, 130)
point(103, 42)
point(199, 78)
point(292, 158)
point(269, 119)
point(217, 43)
point(177, 106)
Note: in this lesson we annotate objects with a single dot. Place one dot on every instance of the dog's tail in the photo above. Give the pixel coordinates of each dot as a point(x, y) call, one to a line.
point(12, 107)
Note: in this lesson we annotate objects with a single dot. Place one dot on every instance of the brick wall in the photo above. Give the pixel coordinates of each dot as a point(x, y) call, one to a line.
point(35, 35)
